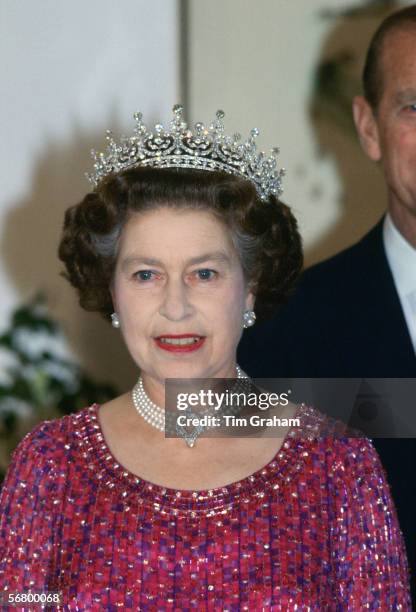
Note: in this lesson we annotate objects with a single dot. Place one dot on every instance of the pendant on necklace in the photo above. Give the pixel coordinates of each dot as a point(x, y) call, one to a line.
point(189, 437)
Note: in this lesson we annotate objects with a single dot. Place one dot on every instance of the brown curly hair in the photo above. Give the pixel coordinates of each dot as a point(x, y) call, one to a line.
point(265, 233)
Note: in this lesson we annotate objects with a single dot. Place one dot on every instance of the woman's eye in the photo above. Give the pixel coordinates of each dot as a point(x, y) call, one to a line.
point(411, 108)
point(144, 275)
point(206, 274)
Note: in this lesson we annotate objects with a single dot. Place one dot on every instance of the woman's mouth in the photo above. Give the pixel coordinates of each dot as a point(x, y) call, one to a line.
point(180, 343)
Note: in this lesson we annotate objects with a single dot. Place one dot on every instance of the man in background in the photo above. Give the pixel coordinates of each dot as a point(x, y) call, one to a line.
point(354, 315)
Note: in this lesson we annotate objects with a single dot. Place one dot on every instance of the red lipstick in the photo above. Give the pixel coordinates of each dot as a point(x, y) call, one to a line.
point(172, 342)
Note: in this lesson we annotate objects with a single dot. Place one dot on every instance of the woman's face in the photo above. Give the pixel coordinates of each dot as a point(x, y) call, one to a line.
point(180, 294)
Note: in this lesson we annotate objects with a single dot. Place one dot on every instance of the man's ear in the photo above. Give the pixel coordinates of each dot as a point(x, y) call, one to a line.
point(366, 125)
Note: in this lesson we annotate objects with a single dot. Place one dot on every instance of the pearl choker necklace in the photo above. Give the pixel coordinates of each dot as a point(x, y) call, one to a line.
point(157, 417)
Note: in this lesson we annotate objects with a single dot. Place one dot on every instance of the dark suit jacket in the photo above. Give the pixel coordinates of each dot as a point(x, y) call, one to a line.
point(345, 320)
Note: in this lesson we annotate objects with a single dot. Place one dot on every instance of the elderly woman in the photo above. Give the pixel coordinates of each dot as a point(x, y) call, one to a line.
point(181, 239)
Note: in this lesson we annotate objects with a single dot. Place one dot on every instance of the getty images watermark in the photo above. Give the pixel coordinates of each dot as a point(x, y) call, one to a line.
point(229, 407)
point(372, 407)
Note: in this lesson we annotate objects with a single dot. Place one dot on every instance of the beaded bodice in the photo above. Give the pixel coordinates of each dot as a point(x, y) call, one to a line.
point(314, 528)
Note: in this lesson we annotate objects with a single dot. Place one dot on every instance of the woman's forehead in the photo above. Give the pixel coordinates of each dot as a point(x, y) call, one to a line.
point(169, 222)
point(182, 234)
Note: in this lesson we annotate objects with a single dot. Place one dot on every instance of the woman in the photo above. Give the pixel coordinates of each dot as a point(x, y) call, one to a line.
point(182, 237)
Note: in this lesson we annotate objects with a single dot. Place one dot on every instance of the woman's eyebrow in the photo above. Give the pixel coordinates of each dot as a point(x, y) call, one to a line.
point(136, 260)
point(219, 256)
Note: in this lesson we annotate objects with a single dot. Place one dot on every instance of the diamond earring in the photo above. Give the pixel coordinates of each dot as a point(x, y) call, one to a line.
point(115, 321)
point(249, 318)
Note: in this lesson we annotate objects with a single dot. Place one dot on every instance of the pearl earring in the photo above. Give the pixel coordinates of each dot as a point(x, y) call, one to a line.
point(115, 321)
point(249, 318)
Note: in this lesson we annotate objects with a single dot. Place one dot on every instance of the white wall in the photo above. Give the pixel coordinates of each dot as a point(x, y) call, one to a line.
point(256, 60)
point(69, 71)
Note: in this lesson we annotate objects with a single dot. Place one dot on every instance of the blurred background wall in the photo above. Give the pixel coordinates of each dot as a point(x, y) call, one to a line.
point(70, 70)
point(291, 69)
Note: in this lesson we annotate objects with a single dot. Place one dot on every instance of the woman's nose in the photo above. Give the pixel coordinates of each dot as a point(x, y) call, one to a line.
point(175, 304)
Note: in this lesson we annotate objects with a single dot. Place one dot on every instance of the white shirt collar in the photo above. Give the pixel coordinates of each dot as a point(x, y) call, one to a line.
point(401, 257)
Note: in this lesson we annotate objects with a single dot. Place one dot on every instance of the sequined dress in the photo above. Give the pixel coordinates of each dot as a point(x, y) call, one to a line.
point(315, 529)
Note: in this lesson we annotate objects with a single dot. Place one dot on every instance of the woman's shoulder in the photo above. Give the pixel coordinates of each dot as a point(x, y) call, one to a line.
point(40, 463)
point(49, 438)
point(346, 460)
point(346, 448)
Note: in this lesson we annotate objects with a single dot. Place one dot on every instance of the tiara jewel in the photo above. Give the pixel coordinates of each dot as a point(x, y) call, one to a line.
point(203, 148)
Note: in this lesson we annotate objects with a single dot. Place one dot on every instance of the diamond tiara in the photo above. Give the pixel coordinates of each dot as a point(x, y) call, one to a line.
point(204, 148)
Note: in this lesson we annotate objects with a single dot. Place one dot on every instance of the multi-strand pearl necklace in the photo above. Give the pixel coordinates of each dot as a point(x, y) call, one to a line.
point(156, 416)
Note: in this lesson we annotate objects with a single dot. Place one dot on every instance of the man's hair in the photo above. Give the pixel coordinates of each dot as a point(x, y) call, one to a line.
point(372, 73)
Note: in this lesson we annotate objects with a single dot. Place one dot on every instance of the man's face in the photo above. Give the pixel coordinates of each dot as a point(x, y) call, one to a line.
point(388, 134)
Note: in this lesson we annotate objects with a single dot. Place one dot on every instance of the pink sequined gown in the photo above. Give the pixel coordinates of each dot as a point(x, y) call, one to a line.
point(315, 529)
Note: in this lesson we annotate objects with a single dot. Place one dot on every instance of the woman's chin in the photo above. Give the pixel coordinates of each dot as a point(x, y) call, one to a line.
point(183, 370)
